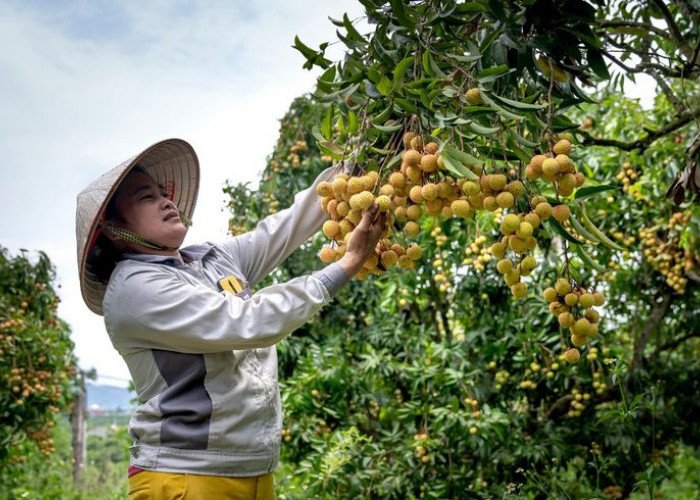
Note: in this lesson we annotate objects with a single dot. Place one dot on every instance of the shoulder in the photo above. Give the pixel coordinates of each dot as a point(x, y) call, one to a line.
point(132, 279)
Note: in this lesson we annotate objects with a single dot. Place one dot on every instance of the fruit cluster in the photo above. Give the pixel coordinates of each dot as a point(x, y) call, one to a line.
point(627, 175)
point(557, 167)
point(574, 310)
point(478, 254)
point(416, 188)
point(666, 255)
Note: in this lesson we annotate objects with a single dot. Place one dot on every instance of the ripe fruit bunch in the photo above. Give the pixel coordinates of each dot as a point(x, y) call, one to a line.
point(666, 255)
point(574, 310)
point(497, 192)
point(517, 239)
point(346, 199)
point(416, 188)
point(578, 402)
point(478, 254)
point(441, 275)
point(557, 167)
point(626, 175)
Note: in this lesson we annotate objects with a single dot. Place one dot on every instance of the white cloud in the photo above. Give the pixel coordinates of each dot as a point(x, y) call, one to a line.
point(85, 87)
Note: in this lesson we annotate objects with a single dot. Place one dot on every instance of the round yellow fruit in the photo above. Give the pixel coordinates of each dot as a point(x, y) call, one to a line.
point(431, 148)
point(505, 199)
point(562, 287)
point(519, 290)
point(473, 97)
point(327, 255)
point(562, 147)
point(414, 252)
point(461, 208)
point(543, 210)
point(524, 229)
point(561, 212)
point(330, 228)
point(504, 266)
point(586, 300)
point(383, 202)
point(510, 224)
point(428, 163)
point(497, 182)
point(572, 356)
point(411, 228)
point(550, 167)
point(324, 188)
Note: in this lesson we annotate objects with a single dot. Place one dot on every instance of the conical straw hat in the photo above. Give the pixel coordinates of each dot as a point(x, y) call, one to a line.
point(172, 163)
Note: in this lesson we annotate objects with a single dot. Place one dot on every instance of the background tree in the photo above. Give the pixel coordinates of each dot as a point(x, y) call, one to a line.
point(37, 365)
point(434, 381)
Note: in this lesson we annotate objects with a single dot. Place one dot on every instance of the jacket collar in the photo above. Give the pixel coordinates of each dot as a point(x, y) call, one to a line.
point(189, 254)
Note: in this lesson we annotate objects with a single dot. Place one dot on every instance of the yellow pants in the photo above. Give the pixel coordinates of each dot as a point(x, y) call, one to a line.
point(148, 485)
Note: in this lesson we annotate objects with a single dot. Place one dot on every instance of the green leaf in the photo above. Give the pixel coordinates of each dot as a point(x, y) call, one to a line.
point(384, 86)
point(353, 34)
point(326, 124)
point(461, 156)
point(563, 232)
point(401, 68)
point(406, 105)
point(456, 168)
point(383, 115)
point(353, 125)
point(503, 112)
point(493, 73)
point(517, 104)
point(475, 128)
point(589, 191)
point(312, 57)
point(464, 59)
point(397, 6)
point(597, 63)
point(388, 128)
point(587, 259)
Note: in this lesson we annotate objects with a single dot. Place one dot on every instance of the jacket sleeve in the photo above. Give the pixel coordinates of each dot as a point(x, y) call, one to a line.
point(149, 308)
point(259, 251)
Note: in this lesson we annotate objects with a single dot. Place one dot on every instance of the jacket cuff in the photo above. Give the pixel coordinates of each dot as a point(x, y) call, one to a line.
point(333, 278)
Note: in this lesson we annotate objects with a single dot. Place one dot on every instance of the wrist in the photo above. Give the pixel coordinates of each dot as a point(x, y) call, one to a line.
point(351, 264)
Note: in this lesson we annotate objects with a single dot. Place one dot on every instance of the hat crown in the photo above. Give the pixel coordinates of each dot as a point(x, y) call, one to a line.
point(171, 162)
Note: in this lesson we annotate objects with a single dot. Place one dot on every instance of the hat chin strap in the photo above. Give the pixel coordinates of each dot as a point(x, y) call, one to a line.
point(131, 237)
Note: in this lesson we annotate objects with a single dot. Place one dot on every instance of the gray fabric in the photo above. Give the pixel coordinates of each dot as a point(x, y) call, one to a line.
point(333, 277)
point(185, 405)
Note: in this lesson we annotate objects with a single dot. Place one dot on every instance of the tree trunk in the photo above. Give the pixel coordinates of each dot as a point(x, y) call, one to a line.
point(77, 419)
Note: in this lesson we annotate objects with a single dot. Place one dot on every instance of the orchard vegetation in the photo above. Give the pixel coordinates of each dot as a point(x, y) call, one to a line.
point(528, 325)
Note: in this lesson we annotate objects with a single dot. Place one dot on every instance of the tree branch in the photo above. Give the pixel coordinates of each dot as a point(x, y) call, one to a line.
point(642, 142)
point(675, 343)
point(617, 23)
point(673, 30)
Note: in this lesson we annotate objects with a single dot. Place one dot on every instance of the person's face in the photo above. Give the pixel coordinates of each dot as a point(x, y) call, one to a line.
point(146, 210)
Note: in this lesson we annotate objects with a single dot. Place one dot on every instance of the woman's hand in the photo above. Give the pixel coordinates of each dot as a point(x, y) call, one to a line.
point(363, 240)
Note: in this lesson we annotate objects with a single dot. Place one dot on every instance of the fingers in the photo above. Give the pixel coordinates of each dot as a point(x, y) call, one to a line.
point(368, 218)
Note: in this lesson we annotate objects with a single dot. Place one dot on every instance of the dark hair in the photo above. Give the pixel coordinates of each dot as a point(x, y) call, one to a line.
point(104, 255)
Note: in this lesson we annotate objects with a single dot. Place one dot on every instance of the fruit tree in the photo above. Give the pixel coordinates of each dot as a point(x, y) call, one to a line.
point(528, 319)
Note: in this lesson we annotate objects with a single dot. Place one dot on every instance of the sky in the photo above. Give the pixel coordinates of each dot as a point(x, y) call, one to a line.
point(87, 84)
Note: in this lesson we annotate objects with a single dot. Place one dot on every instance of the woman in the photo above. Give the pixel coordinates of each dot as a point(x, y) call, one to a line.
point(200, 346)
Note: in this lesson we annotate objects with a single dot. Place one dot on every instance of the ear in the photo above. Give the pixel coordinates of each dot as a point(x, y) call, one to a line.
point(106, 230)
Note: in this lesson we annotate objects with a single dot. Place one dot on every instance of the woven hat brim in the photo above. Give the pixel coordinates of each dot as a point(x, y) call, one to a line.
point(171, 162)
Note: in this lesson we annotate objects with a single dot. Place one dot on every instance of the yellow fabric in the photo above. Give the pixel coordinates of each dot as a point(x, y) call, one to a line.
point(231, 285)
point(148, 485)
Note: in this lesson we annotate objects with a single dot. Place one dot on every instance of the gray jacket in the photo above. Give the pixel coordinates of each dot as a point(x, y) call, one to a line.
point(203, 359)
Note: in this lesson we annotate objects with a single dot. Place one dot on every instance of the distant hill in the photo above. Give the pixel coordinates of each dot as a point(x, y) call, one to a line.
point(109, 397)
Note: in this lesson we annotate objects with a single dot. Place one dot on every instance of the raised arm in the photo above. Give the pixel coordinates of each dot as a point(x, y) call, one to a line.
point(259, 251)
